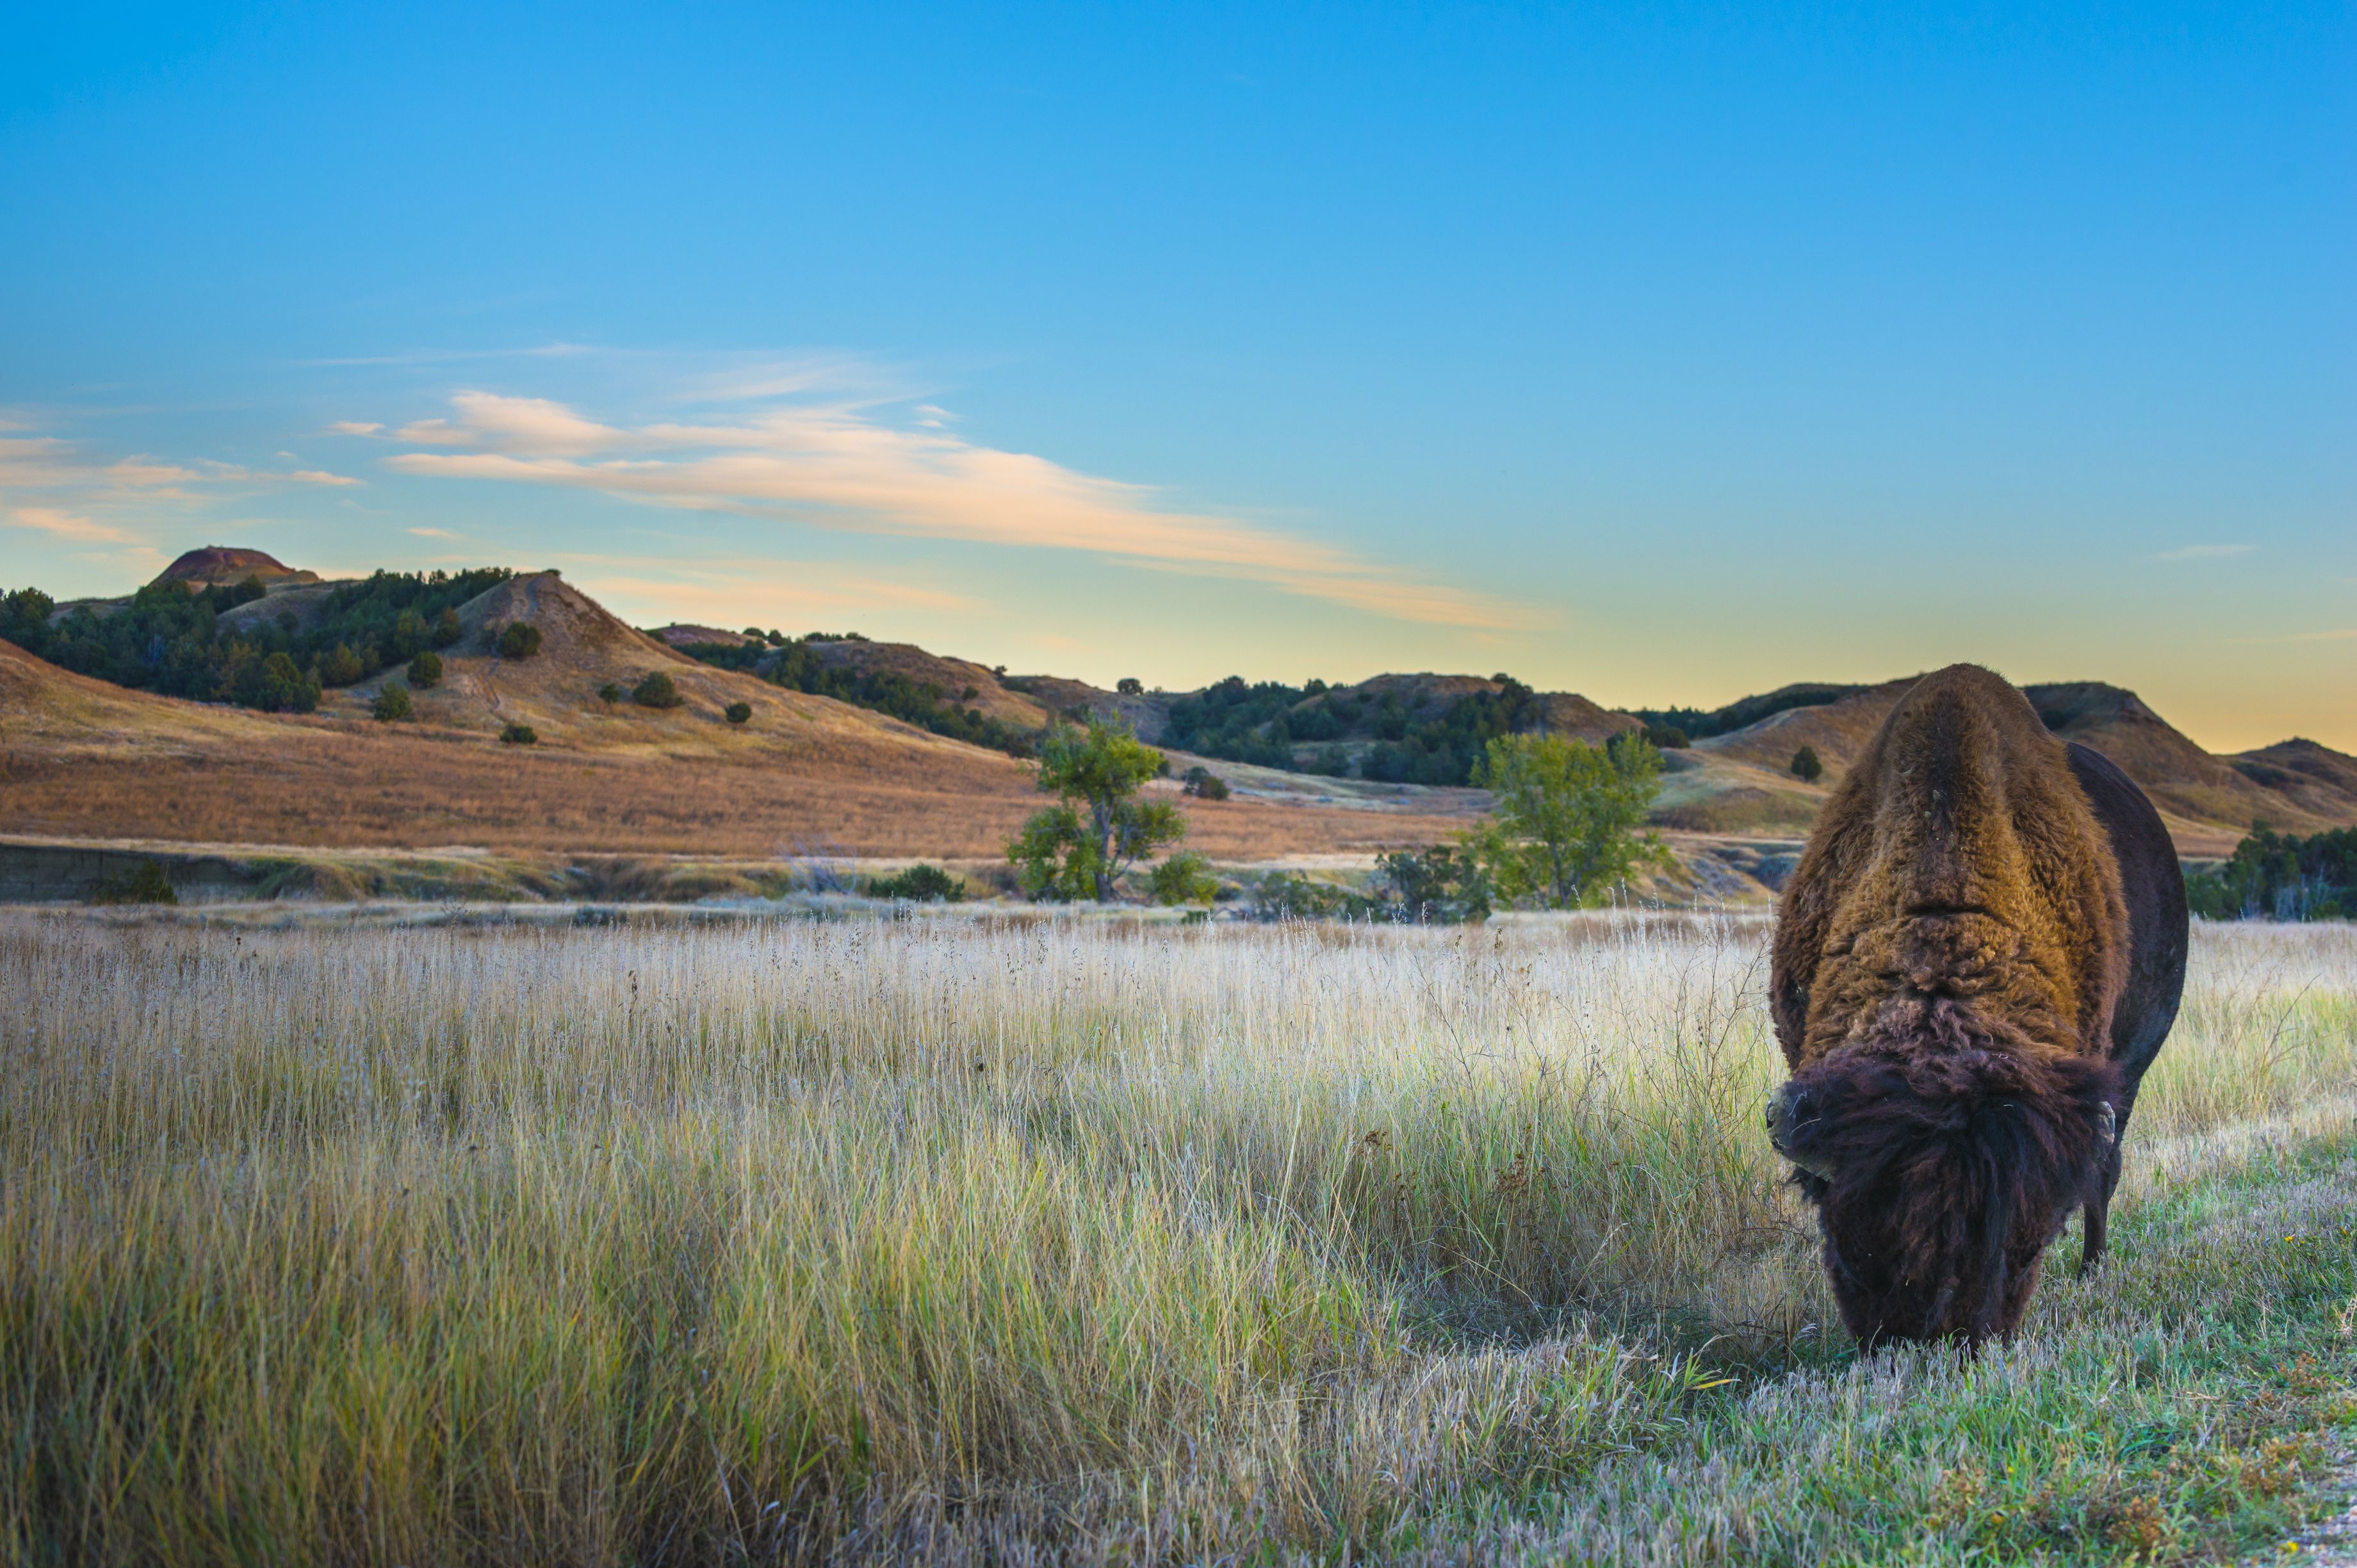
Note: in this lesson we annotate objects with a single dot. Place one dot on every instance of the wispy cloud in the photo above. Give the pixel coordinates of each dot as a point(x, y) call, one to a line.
point(2205, 552)
point(842, 464)
point(66, 525)
point(56, 487)
point(435, 533)
point(354, 427)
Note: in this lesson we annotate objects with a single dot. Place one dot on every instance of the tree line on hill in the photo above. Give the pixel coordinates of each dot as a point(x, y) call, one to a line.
point(169, 639)
point(1700, 724)
point(1267, 722)
point(791, 662)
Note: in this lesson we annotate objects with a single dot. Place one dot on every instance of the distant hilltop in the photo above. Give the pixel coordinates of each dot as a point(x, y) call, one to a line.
point(222, 565)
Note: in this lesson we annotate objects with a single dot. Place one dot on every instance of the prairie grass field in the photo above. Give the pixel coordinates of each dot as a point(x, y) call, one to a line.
point(958, 1238)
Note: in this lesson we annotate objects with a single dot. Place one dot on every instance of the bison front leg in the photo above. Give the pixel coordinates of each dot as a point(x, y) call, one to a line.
point(2097, 1213)
point(2098, 1216)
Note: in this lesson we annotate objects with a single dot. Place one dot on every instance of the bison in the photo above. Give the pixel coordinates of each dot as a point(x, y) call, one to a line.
point(1976, 959)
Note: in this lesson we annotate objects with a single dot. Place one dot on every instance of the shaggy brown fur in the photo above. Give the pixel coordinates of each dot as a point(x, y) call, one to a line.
point(1947, 959)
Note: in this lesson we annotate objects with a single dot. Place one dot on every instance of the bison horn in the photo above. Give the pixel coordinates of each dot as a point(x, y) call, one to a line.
point(2107, 1123)
point(1789, 1110)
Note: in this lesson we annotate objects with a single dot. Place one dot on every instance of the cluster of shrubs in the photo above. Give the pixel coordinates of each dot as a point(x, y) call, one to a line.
point(174, 642)
point(1438, 885)
point(792, 662)
point(918, 884)
point(1202, 784)
point(146, 883)
point(2281, 877)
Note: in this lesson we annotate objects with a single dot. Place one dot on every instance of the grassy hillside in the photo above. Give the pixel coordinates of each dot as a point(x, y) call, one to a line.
point(823, 756)
point(953, 1242)
point(82, 758)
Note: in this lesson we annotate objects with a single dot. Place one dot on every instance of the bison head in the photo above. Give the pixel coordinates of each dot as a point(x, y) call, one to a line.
point(1941, 1164)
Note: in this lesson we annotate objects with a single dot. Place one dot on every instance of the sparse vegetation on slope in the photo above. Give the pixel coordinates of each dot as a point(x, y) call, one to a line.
point(167, 640)
point(796, 663)
point(931, 1240)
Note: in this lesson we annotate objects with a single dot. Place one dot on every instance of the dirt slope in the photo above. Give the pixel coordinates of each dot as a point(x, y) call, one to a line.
point(2316, 778)
point(222, 564)
point(955, 677)
point(1837, 731)
point(679, 634)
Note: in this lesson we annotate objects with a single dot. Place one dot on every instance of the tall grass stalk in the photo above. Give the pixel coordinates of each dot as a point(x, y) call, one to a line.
point(787, 1240)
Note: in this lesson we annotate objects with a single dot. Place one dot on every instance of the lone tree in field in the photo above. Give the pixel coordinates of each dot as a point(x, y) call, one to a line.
point(1805, 766)
point(1078, 847)
point(392, 703)
point(1565, 831)
point(425, 670)
point(737, 713)
point(519, 640)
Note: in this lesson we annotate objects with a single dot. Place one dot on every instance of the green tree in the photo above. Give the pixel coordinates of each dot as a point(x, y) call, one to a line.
point(519, 735)
point(657, 691)
point(1564, 833)
point(425, 670)
point(737, 713)
point(610, 693)
point(445, 627)
point(339, 666)
point(1806, 766)
point(1078, 848)
point(391, 702)
point(1184, 878)
point(520, 640)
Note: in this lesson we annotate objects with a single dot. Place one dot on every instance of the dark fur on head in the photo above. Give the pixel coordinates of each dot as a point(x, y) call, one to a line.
point(1944, 1151)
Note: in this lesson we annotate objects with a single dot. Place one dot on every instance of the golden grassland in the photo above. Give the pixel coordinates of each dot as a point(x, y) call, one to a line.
point(1057, 1240)
point(82, 759)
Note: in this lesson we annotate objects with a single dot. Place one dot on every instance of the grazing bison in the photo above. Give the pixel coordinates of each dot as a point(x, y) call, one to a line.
point(1975, 960)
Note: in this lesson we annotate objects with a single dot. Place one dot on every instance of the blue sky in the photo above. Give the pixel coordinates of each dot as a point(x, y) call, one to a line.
point(1663, 355)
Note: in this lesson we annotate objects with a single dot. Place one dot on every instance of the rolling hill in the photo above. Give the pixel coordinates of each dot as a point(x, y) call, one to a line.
point(80, 757)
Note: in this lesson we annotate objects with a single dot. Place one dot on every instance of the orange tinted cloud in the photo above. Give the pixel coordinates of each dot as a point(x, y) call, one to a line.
point(839, 466)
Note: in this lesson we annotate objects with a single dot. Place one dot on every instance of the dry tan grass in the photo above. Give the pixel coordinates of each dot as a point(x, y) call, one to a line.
point(80, 759)
point(952, 1237)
